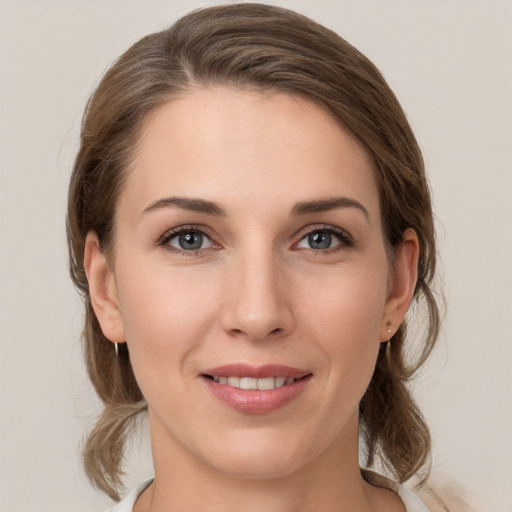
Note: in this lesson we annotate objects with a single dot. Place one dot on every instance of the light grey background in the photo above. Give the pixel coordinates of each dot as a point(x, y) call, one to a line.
point(450, 63)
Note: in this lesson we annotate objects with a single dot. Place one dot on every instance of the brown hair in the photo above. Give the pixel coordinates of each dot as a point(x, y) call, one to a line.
point(263, 48)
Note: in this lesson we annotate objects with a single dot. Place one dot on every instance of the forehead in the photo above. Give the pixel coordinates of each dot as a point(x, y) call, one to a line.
point(241, 147)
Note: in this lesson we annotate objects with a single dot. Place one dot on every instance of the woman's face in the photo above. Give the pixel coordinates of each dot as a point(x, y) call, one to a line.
point(249, 249)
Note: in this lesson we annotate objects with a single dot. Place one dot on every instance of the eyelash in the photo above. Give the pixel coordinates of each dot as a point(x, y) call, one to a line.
point(175, 232)
point(345, 239)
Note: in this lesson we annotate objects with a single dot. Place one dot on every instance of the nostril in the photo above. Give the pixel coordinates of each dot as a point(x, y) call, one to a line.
point(256, 324)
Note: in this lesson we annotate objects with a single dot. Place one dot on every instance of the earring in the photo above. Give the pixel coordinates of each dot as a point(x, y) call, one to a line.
point(116, 348)
point(389, 332)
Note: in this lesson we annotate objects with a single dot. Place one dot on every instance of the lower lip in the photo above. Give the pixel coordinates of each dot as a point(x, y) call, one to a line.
point(254, 401)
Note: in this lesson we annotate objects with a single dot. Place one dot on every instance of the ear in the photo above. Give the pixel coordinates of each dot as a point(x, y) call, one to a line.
point(402, 284)
point(102, 289)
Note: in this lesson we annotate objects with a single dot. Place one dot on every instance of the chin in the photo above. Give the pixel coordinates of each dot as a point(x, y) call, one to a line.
point(261, 457)
point(249, 468)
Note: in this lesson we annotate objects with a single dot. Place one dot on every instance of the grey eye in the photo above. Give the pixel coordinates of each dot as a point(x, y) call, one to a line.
point(190, 241)
point(324, 239)
point(319, 240)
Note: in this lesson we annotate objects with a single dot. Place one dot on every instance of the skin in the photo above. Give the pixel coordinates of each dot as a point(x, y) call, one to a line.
point(257, 292)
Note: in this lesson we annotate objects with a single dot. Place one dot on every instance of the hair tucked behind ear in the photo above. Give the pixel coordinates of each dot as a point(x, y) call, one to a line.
point(265, 48)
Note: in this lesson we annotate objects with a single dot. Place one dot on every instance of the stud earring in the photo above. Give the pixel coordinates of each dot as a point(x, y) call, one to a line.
point(389, 332)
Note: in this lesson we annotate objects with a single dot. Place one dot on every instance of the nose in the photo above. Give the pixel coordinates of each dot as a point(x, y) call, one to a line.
point(258, 302)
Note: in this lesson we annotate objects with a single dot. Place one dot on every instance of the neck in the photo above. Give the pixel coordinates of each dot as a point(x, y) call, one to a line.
point(330, 482)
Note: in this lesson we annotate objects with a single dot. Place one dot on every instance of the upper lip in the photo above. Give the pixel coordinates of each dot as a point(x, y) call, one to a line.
point(256, 372)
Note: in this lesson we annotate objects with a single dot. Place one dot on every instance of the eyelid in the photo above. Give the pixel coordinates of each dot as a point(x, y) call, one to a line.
point(346, 239)
point(176, 231)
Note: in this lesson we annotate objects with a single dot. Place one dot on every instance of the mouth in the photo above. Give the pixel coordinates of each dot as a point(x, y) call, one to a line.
point(256, 390)
point(262, 384)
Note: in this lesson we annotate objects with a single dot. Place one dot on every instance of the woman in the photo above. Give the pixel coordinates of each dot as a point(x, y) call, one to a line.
point(249, 222)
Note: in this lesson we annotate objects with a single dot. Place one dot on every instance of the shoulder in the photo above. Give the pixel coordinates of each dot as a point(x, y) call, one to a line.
point(410, 500)
point(126, 505)
point(439, 494)
point(446, 498)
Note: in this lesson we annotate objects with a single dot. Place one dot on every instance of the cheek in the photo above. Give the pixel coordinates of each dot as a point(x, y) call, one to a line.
point(166, 316)
point(346, 319)
point(349, 302)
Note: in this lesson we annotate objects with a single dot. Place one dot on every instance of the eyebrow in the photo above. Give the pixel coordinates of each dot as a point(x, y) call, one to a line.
point(193, 205)
point(301, 208)
point(330, 203)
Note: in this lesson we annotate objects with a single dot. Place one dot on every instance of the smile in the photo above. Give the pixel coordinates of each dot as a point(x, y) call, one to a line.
point(253, 383)
point(256, 389)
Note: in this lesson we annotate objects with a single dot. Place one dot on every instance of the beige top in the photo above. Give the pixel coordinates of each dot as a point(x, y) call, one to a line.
point(411, 501)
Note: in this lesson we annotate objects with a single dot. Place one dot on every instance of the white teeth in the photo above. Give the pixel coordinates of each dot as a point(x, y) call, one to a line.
point(280, 381)
point(234, 381)
point(248, 383)
point(252, 383)
point(268, 383)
